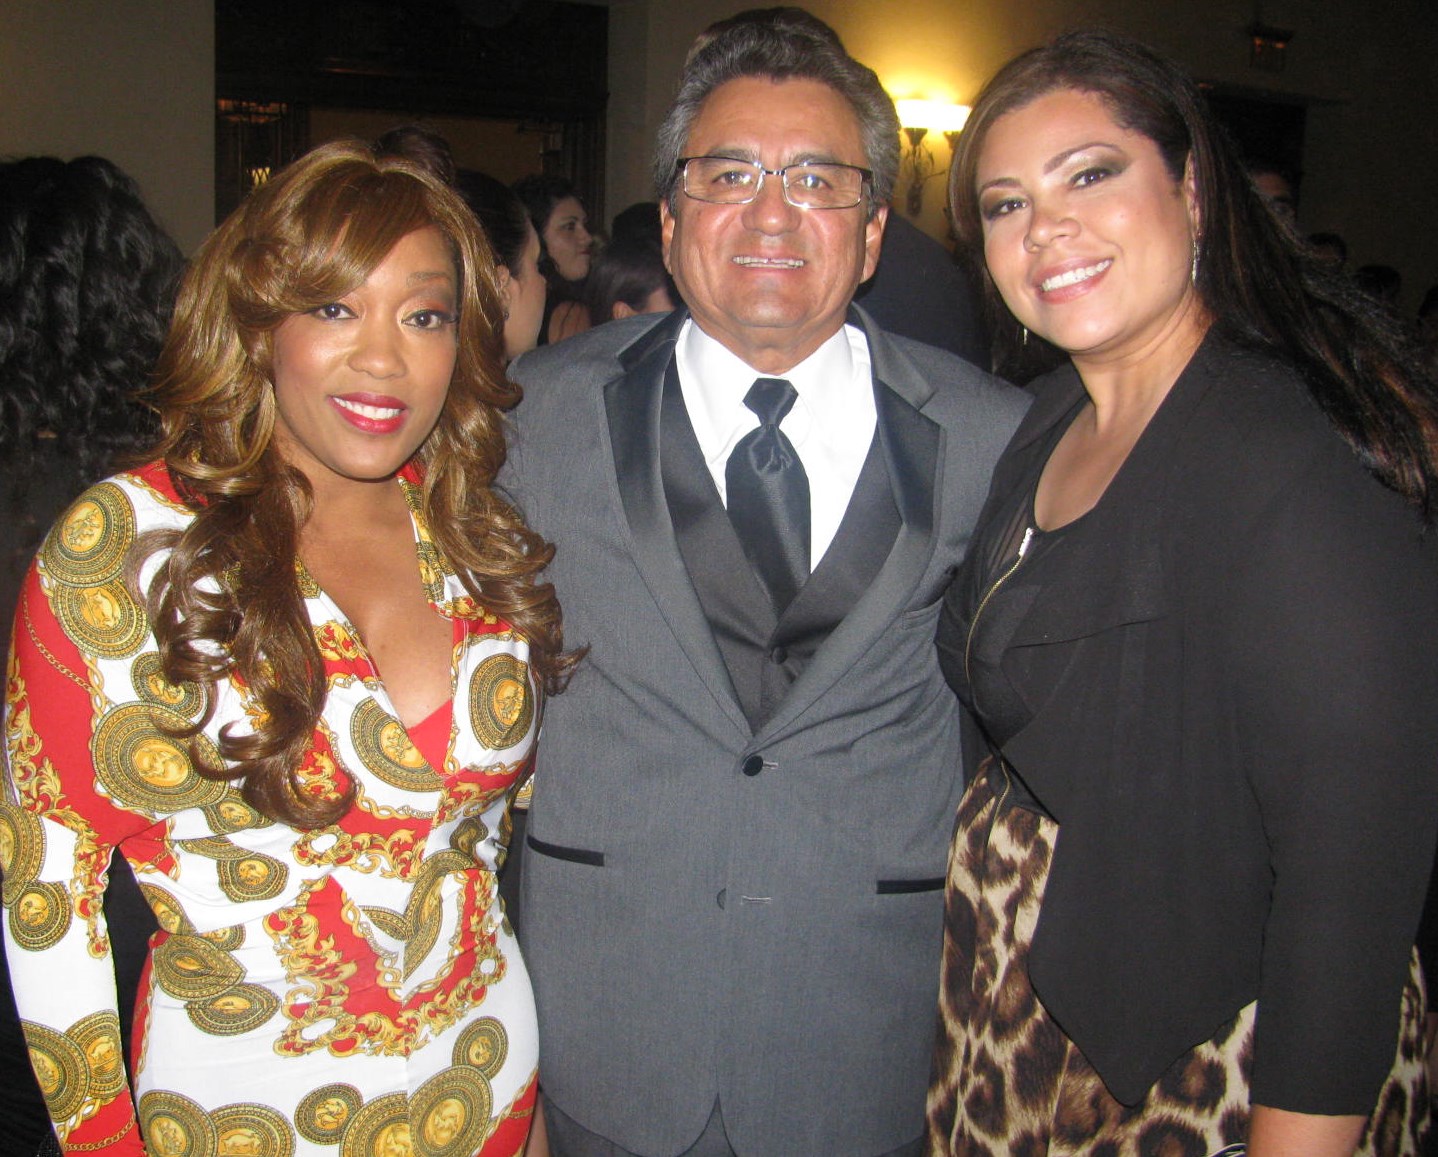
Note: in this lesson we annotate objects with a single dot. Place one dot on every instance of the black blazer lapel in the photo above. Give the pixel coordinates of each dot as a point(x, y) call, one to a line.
point(632, 404)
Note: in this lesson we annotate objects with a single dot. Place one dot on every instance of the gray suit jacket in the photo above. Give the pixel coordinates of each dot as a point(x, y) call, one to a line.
point(711, 913)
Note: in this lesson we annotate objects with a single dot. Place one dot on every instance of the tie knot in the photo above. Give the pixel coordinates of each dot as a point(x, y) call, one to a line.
point(771, 399)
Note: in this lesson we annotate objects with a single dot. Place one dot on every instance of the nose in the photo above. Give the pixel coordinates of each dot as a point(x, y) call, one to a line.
point(1048, 221)
point(377, 350)
point(769, 212)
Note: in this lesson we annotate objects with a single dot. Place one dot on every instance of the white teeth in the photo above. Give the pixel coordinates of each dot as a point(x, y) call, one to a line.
point(778, 262)
point(374, 413)
point(1073, 276)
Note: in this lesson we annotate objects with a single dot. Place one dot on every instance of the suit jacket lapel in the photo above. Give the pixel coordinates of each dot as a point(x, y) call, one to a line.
point(632, 405)
point(911, 444)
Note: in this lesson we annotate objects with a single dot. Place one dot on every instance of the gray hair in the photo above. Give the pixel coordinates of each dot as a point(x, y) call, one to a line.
point(779, 44)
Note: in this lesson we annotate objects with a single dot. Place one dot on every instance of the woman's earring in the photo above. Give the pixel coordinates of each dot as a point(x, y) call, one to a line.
point(1025, 338)
point(1193, 264)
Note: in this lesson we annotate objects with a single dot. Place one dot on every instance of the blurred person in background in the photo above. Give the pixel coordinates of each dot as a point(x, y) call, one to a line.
point(628, 277)
point(566, 248)
point(506, 226)
point(87, 282)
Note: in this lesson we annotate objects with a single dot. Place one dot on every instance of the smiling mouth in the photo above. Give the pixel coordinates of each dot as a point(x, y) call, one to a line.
point(373, 413)
point(769, 262)
point(1073, 276)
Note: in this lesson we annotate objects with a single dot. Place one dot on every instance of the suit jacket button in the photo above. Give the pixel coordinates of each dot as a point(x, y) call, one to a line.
point(753, 765)
point(780, 655)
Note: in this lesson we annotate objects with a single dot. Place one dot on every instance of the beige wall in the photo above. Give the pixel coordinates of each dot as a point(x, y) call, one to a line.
point(131, 80)
point(1366, 66)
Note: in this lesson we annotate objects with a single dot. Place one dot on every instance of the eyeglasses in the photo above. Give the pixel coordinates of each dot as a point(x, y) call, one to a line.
point(810, 185)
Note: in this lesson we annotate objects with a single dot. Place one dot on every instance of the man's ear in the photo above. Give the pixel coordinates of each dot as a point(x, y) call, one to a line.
point(666, 232)
point(873, 239)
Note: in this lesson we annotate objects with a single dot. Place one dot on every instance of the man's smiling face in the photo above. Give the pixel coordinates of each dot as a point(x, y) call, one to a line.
point(772, 282)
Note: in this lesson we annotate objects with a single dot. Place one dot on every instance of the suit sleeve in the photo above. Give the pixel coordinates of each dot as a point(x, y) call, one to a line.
point(57, 834)
point(1332, 617)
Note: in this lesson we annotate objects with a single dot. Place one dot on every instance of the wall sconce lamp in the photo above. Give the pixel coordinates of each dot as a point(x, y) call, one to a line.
point(1267, 46)
point(918, 165)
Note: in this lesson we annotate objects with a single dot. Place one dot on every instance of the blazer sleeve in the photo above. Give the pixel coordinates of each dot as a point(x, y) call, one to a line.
point(57, 834)
point(1331, 617)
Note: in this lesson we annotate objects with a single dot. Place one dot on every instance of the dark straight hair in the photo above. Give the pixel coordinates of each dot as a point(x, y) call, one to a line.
point(1258, 280)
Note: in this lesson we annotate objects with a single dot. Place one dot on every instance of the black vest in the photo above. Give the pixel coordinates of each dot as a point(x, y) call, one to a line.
point(764, 652)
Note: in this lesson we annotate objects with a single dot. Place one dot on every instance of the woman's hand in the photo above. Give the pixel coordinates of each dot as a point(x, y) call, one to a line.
point(538, 1143)
point(1280, 1133)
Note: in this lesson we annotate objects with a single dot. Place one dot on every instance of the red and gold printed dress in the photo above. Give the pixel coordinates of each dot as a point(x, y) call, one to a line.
point(352, 991)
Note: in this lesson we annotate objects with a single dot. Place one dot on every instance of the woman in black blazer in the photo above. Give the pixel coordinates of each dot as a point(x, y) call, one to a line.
point(1197, 627)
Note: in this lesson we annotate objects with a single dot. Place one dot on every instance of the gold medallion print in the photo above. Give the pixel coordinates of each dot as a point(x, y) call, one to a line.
point(103, 619)
point(59, 1068)
point(226, 939)
point(431, 571)
point(191, 968)
point(89, 544)
point(483, 1045)
point(380, 1129)
point(22, 849)
point(469, 835)
point(325, 1114)
point(424, 914)
point(187, 699)
point(233, 814)
point(450, 1112)
point(388, 921)
point(175, 1126)
point(254, 877)
point(309, 589)
point(98, 1038)
point(40, 916)
point(385, 748)
point(249, 1130)
point(234, 1011)
point(168, 913)
point(142, 767)
point(501, 708)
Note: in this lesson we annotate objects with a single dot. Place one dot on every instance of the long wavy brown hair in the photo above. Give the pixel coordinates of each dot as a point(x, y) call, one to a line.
point(225, 602)
point(1262, 285)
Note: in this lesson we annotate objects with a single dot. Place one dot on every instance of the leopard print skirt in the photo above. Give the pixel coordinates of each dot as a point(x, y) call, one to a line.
point(1008, 1083)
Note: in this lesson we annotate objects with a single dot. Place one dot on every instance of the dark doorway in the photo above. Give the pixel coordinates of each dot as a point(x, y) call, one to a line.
point(1267, 131)
point(517, 86)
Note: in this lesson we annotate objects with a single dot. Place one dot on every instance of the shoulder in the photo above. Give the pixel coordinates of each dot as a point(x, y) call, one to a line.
point(1258, 425)
point(585, 358)
point(105, 519)
point(945, 386)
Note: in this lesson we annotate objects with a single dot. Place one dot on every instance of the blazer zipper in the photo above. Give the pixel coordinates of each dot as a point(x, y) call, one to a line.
point(984, 602)
point(968, 645)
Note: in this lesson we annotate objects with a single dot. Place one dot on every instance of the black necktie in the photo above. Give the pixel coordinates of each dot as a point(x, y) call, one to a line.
point(768, 495)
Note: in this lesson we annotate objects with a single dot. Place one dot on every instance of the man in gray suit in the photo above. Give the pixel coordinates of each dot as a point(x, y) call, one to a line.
point(733, 872)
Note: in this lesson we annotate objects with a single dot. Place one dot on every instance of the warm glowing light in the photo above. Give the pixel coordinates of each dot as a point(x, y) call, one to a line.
point(936, 115)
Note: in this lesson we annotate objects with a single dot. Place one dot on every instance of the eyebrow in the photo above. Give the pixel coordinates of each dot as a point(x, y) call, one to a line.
point(427, 275)
point(1054, 162)
point(798, 157)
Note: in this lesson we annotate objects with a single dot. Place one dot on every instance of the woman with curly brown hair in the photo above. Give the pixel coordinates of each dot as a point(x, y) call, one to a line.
point(292, 669)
